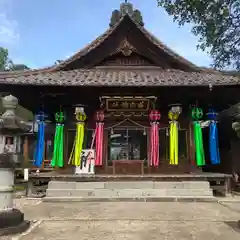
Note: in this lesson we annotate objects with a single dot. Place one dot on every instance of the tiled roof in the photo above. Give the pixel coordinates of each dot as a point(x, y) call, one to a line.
point(124, 76)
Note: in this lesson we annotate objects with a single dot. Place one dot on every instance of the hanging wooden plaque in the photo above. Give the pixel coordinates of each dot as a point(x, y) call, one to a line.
point(127, 105)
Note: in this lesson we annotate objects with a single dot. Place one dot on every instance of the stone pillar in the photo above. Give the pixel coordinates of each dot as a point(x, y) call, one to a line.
point(11, 219)
point(6, 187)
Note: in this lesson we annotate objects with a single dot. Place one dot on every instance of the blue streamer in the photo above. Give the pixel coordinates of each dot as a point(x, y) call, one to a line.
point(39, 150)
point(213, 143)
point(213, 138)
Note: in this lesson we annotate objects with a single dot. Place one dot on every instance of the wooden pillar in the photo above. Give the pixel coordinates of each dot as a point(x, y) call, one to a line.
point(44, 153)
point(65, 149)
point(105, 150)
point(190, 144)
point(67, 168)
point(25, 151)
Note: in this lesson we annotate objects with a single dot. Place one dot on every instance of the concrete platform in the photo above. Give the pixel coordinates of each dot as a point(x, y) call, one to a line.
point(56, 176)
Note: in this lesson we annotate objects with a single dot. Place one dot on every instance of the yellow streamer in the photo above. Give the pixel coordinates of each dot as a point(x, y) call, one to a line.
point(75, 156)
point(173, 137)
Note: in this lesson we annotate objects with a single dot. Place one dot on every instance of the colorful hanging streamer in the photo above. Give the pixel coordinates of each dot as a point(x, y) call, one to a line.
point(39, 150)
point(57, 160)
point(197, 114)
point(173, 138)
point(75, 156)
point(99, 144)
point(154, 137)
point(99, 137)
point(213, 138)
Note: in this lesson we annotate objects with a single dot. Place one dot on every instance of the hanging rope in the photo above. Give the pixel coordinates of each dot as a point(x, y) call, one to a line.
point(75, 156)
point(57, 160)
point(197, 114)
point(39, 150)
point(213, 137)
point(125, 120)
point(173, 138)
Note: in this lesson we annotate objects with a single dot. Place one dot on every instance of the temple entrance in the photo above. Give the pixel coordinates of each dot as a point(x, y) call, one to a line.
point(128, 126)
point(127, 150)
point(127, 144)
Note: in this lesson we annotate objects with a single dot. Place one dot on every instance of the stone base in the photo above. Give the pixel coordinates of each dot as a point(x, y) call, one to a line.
point(12, 222)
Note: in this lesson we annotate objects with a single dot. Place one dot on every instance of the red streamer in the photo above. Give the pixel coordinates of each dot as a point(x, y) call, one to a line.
point(99, 144)
point(154, 141)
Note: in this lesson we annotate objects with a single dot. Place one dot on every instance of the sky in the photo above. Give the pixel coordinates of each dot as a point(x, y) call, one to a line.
point(37, 33)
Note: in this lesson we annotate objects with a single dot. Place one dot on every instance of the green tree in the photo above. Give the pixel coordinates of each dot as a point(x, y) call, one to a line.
point(6, 63)
point(216, 22)
point(4, 60)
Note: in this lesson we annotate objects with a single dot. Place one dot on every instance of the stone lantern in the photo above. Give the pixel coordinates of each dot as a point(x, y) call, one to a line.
point(236, 121)
point(11, 220)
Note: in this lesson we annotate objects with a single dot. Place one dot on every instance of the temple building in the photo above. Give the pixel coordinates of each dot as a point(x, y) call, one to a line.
point(128, 80)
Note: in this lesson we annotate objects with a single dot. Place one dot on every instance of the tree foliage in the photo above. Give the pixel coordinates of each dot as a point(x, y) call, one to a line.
point(6, 63)
point(4, 60)
point(216, 22)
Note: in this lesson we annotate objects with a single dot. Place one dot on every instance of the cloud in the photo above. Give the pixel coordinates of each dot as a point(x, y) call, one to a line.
point(9, 34)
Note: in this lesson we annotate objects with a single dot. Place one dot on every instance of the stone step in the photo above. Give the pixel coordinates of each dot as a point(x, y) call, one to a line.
point(140, 199)
point(129, 185)
point(126, 193)
point(127, 190)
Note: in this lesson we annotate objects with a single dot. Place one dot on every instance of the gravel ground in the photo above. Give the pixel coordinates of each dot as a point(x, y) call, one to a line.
point(133, 220)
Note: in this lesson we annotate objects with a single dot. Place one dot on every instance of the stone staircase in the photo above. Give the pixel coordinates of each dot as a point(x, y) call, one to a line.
point(128, 191)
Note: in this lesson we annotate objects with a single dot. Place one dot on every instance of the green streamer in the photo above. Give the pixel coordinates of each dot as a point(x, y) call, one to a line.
point(197, 114)
point(57, 160)
point(198, 140)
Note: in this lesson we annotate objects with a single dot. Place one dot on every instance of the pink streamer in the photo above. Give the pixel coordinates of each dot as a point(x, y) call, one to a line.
point(157, 145)
point(102, 136)
point(154, 149)
point(97, 147)
point(99, 144)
